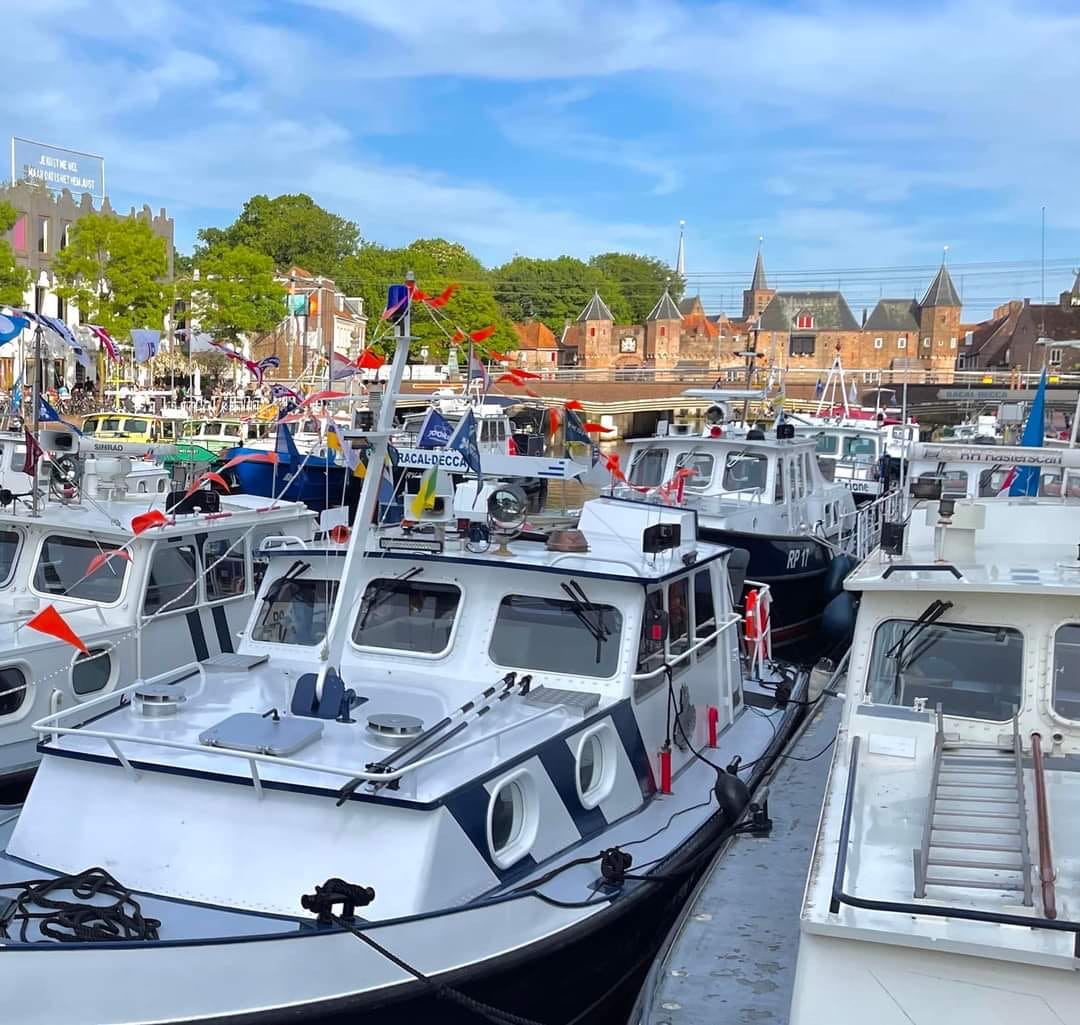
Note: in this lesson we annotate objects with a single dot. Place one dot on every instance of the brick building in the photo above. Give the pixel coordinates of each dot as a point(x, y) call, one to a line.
point(537, 348)
point(1008, 340)
point(300, 340)
point(802, 330)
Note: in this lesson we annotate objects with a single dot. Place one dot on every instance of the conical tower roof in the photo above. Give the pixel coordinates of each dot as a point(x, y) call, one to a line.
point(665, 309)
point(941, 292)
point(758, 282)
point(595, 309)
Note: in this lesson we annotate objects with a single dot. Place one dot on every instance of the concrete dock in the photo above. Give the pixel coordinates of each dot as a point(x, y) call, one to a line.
point(730, 959)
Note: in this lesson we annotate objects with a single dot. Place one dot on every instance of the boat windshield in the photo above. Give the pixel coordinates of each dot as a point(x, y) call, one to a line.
point(826, 444)
point(64, 568)
point(972, 671)
point(295, 611)
point(647, 469)
point(745, 471)
point(860, 448)
point(572, 638)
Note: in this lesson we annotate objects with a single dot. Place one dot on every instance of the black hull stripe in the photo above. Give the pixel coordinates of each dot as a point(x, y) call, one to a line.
point(198, 637)
point(221, 626)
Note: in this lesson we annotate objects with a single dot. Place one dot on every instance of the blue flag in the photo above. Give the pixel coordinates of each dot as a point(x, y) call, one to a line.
point(16, 395)
point(436, 431)
point(575, 430)
point(463, 441)
point(1026, 481)
point(11, 326)
point(46, 412)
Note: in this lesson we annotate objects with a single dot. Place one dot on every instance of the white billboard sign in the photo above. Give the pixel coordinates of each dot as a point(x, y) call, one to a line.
point(57, 169)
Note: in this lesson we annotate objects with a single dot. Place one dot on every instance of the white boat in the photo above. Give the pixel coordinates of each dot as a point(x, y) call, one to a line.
point(767, 496)
point(454, 764)
point(855, 457)
point(140, 613)
point(945, 877)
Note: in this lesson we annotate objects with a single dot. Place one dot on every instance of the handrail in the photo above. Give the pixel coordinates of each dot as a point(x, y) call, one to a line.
point(839, 896)
point(1046, 857)
point(734, 619)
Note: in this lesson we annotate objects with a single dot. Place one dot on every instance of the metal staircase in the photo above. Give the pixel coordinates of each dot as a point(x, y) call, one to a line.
point(976, 833)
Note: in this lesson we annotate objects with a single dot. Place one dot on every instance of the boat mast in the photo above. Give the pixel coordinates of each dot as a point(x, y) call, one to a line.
point(35, 509)
point(349, 588)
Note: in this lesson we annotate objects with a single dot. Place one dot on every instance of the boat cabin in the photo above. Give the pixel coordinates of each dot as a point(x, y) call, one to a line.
point(988, 471)
point(220, 433)
point(852, 456)
point(133, 427)
point(947, 846)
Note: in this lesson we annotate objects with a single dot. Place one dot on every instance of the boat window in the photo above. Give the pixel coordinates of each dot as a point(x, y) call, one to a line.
point(232, 430)
point(780, 471)
point(111, 423)
point(556, 636)
point(955, 484)
point(701, 465)
point(225, 568)
point(971, 671)
point(213, 427)
point(191, 429)
point(507, 815)
point(745, 471)
point(407, 615)
point(295, 611)
point(826, 444)
point(9, 550)
point(808, 475)
point(647, 469)
point(13, 690)
point(797, 489)
point(590, 763)
point(91, 672)
point(650, 647)
point(596, 765)
point(63, 569)
point(173, 571)
point(136, 426)
point(860, 448)
point(1066, 684)
point(704, 608)
point(678, 616)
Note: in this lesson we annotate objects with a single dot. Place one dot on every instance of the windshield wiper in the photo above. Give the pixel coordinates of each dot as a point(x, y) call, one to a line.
point(297, 569)
point(582, 607)
point(931, 614)
point(383, 590)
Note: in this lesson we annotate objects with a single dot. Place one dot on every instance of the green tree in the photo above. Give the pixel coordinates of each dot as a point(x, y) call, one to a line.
point(291, 230)
point(114, 269)
point(14, 279)
point(553, 291)
point(640, 279)
point(235, 293)
point(436, 264)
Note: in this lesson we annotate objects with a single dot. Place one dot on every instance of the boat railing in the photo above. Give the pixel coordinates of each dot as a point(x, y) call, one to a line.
point(840, 896)
point(702, 642)
point(860, 531)
point(1046, 857)
point(51, 727)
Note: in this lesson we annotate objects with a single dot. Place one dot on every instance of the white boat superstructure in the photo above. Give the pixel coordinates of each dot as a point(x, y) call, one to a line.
point(945, 879)
point(142, 603)
point(469, 734)
point(853, 456)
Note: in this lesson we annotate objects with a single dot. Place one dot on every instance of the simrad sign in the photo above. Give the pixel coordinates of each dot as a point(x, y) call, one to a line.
point(56, 168)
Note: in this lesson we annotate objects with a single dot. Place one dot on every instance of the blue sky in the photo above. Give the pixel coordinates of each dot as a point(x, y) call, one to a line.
point(849, 135)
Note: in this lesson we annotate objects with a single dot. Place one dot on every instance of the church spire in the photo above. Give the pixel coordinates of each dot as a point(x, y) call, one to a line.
point(758, 282)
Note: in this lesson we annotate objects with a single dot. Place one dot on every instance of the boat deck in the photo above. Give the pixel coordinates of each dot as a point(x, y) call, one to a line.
point(732, 955)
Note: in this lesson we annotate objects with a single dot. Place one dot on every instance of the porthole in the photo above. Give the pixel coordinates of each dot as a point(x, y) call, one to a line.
point(506, 815)
point(142, 487)
point(595, 765)
point(161, 485)
point(91, 672)
point(512, 819)
point(13, 690)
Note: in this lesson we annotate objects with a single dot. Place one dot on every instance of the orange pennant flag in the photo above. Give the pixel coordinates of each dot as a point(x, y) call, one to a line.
point(459, 336)
point(575, 405)
point(252, 457)
point(101, 558)
point(49, 621)
point(484, 332)
point(526, 375)
point(146, 520)
point(215, 478)
point(443, 297)
point(553, 420)
point(594, 428)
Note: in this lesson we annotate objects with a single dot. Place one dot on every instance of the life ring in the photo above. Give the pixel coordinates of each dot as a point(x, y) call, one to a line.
point(756, 622)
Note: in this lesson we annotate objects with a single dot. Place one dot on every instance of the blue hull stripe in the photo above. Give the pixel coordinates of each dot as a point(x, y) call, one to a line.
point(198, 637)
point(221, 626)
